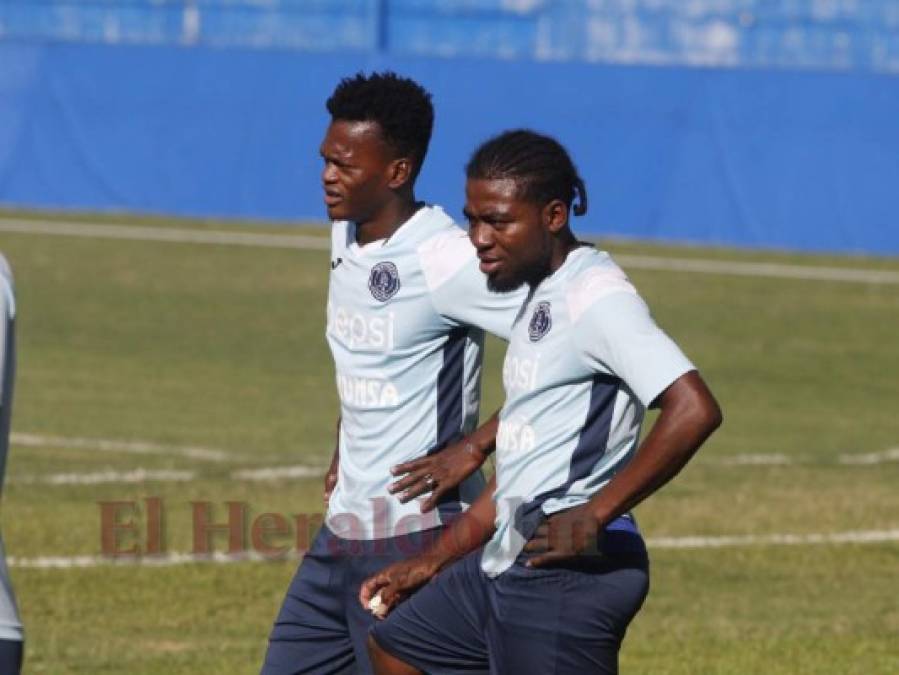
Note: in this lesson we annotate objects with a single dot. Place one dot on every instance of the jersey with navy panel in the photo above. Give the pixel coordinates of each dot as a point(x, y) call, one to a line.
point(406, 322)
point(10, 624)
point(584, 362)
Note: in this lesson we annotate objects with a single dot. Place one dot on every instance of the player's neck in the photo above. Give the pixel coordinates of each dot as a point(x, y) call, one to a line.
point(387, 221)
point(563, 244)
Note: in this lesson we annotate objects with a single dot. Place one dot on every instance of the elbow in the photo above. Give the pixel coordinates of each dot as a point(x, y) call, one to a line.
point(709, 415)
point(703, 411)
point(716, 420)
point(691, 401)
point(715, 416)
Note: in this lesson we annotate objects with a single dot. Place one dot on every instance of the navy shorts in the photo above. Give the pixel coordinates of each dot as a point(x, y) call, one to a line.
point(568, 619)
point(321, 628)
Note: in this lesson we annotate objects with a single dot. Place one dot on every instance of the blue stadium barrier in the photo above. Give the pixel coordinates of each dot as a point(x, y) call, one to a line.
point(819, 34)
point(776, 157)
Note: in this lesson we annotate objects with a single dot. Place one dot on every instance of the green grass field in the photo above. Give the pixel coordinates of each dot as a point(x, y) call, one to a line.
point(222, 347)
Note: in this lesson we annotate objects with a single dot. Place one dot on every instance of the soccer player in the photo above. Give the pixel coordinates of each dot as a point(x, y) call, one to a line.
point(564, 568)
point(407, 310)
point(11, 636)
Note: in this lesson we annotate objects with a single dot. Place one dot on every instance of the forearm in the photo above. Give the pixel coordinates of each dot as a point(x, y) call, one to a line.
point(689, 415)
point(335, 456)
point(483, 439)
point(334, 468)
point(467, 532)
point(440, 472)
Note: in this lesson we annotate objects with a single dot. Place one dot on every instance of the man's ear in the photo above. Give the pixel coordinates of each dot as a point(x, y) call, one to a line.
point(400, 173)
point(555, 215)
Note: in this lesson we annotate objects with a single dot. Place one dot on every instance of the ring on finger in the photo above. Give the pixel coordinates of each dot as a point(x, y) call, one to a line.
point(429, 481)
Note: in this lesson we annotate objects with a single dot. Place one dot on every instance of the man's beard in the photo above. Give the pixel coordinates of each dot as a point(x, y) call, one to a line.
point(503, 285)
point(531, 275)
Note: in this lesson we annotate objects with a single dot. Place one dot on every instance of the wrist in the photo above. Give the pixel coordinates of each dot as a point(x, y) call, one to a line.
point(446, 551)
point(478, 451)
point(600, 513)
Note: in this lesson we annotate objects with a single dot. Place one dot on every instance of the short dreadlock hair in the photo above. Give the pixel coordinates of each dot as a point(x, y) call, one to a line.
point(539, 163)
point(400, 106)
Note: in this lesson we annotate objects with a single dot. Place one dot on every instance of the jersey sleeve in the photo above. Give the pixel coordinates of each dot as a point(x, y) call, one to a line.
point(459, 289)
point(616, 334)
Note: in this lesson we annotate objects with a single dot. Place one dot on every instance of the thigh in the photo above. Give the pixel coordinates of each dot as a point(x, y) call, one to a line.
point(565, 620)
point(440, 629)
point(310, 634)
point(364, 559)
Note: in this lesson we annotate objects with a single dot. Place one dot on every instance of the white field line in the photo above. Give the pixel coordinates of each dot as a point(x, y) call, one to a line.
point(139, 475)
point(853, 537)
point(131, 447)
point(279, 473)
point(218, 237)
point(776, 459)
point(288, 472)
point(170, 559)
point(759, 269)
point(165, 234)
point(166, 560)
point(891, 455)
point(142, 475)
point(772, 459)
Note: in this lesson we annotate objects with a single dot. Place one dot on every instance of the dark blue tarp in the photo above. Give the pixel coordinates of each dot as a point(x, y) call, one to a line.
point(800, 160)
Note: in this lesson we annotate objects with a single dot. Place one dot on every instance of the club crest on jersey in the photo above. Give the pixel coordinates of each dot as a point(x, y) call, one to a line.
point(541, 321)
point(384, 281)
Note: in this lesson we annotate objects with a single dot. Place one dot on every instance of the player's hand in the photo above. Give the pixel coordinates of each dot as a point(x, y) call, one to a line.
point(565, 535)
point(331, 478)
point(438, 473)
point(396, 582)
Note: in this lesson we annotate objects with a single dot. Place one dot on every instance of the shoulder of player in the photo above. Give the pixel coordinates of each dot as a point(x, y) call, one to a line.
point(443, 252)
point(599, 279)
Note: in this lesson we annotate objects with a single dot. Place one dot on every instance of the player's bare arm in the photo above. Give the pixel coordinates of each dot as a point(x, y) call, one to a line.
point(441, 472)
point(398, 581)
point(334, 468)
point(689, 414)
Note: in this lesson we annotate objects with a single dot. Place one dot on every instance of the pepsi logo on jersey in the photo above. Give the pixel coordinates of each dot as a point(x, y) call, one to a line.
point(357, 331)
point(520, 374)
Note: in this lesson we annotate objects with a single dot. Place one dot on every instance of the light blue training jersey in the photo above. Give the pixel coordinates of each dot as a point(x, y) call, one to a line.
point(10, 624)
point(584, 362)
point(406, 321)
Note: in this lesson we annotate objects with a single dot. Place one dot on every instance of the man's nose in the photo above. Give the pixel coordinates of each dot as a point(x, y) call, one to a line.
point(480, 236)
point(329, 173)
